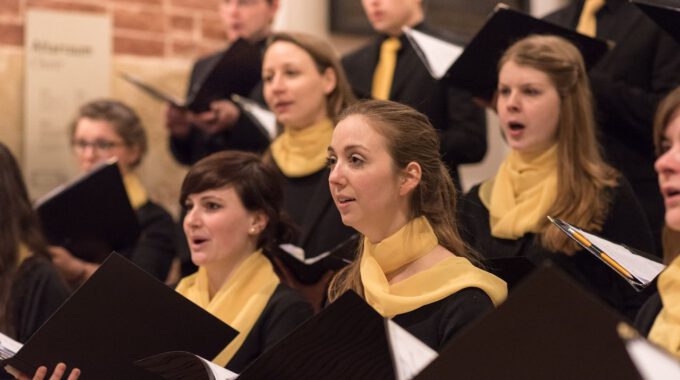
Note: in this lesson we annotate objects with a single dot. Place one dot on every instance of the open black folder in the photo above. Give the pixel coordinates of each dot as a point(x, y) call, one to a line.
point(346, 340)
point(119, 315)
point(665, 13)
point(549, 328)
point(637, 268)
point(91, 215)
point(309, 270)
point(475, 69)
point(235, 71)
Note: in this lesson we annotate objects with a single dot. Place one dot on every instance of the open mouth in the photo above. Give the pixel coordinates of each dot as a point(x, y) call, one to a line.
point(515, 127)
point(344, 200)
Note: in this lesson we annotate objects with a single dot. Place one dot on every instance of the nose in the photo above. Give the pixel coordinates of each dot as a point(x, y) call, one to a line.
point(668, 163)
point(191, 219)
point(512, 102)
point(336, 177)
point(277, 84)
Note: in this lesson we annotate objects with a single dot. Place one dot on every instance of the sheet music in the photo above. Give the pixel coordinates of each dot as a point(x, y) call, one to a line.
point(642, 268)
point(299, 254)
point(8, 347)
point(438, 54)
point(409, 354)
point(219, 373)
point(264, 117)
point(652, 362)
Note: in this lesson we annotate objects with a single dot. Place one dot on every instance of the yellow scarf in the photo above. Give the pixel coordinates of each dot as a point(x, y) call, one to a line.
point(519, 197)
point(24, 253)
point(301, 152)
point(239, 302)
point(135, 191)
point(666, 328)
point(411, 242)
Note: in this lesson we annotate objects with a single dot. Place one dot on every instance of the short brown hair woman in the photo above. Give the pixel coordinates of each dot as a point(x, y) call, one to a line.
point(233, 221)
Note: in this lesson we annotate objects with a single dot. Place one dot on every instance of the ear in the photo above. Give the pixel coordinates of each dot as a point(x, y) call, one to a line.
point(330, 80)
point(258, 221)
point(409, 178)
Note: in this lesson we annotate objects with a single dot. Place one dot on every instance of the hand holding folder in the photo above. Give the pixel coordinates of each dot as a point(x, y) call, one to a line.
point(121, 314)
point(234, 71)
point(636, 269)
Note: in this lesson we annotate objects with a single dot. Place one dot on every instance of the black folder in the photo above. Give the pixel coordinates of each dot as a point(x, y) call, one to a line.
point(309, 270)
point(346, 340)
point(665, 13)
point(549, 328)
point(237, 70)
point(90, 216)
point(475, 70)
point(119, 315)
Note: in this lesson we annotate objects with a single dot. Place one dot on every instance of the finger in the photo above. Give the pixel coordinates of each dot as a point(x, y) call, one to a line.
point(59, 371)
point(15, 372)
point(40, 373)
point(75, 374)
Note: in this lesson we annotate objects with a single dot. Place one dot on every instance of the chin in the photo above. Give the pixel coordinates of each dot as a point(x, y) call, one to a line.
point(673, 219)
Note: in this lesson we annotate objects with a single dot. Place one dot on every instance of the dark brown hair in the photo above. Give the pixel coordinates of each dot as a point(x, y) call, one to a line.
point(18, 226)
point(123, 118)
point(257, 185)
point(410, 138)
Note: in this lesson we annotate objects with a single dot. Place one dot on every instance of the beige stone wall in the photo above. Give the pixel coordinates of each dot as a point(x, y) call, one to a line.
point(159, 171)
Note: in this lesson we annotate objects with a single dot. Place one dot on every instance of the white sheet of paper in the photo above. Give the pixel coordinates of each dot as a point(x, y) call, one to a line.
point(8, 346)
point(220, 373)
point(652, 362)
point(440, 54)
point(410, 355)
point(642, 268)
point(299, 254)
point(266, 118)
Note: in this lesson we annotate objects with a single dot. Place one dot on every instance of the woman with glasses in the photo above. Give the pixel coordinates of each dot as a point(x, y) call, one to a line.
point(105, 129)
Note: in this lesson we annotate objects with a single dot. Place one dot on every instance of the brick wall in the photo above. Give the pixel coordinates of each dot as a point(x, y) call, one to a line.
point(151, 28)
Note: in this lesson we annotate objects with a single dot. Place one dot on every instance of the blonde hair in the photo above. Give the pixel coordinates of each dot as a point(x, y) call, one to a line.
point(410, 138)
point(583, 176)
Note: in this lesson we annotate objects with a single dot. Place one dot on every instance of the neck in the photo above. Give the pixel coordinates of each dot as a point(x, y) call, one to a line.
point(415, 19)
point(219, 273)
point(301, 126)
point(396, 223)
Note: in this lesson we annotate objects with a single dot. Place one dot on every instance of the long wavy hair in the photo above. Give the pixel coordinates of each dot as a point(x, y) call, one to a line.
point(583, 177)
point(410, 138)
point(19, 229)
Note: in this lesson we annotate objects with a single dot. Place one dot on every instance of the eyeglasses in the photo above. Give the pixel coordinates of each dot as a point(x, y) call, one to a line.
point(98, 145)
point(242, 3)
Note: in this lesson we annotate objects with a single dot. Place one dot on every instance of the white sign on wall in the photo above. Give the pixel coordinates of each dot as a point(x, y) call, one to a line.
point(68, 62)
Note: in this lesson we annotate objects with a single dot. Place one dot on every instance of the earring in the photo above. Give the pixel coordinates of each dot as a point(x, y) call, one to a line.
point(252, 230)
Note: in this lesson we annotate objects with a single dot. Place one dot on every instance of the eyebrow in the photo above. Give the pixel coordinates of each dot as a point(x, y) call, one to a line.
point(348, 147)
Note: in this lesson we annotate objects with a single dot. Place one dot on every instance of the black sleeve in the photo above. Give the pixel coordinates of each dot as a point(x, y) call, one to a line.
point(463, 308)
point(290, 310)
point(463, 138)
point(634, 106)
point(647, 314)
point(37, 293)
point(155, 247)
